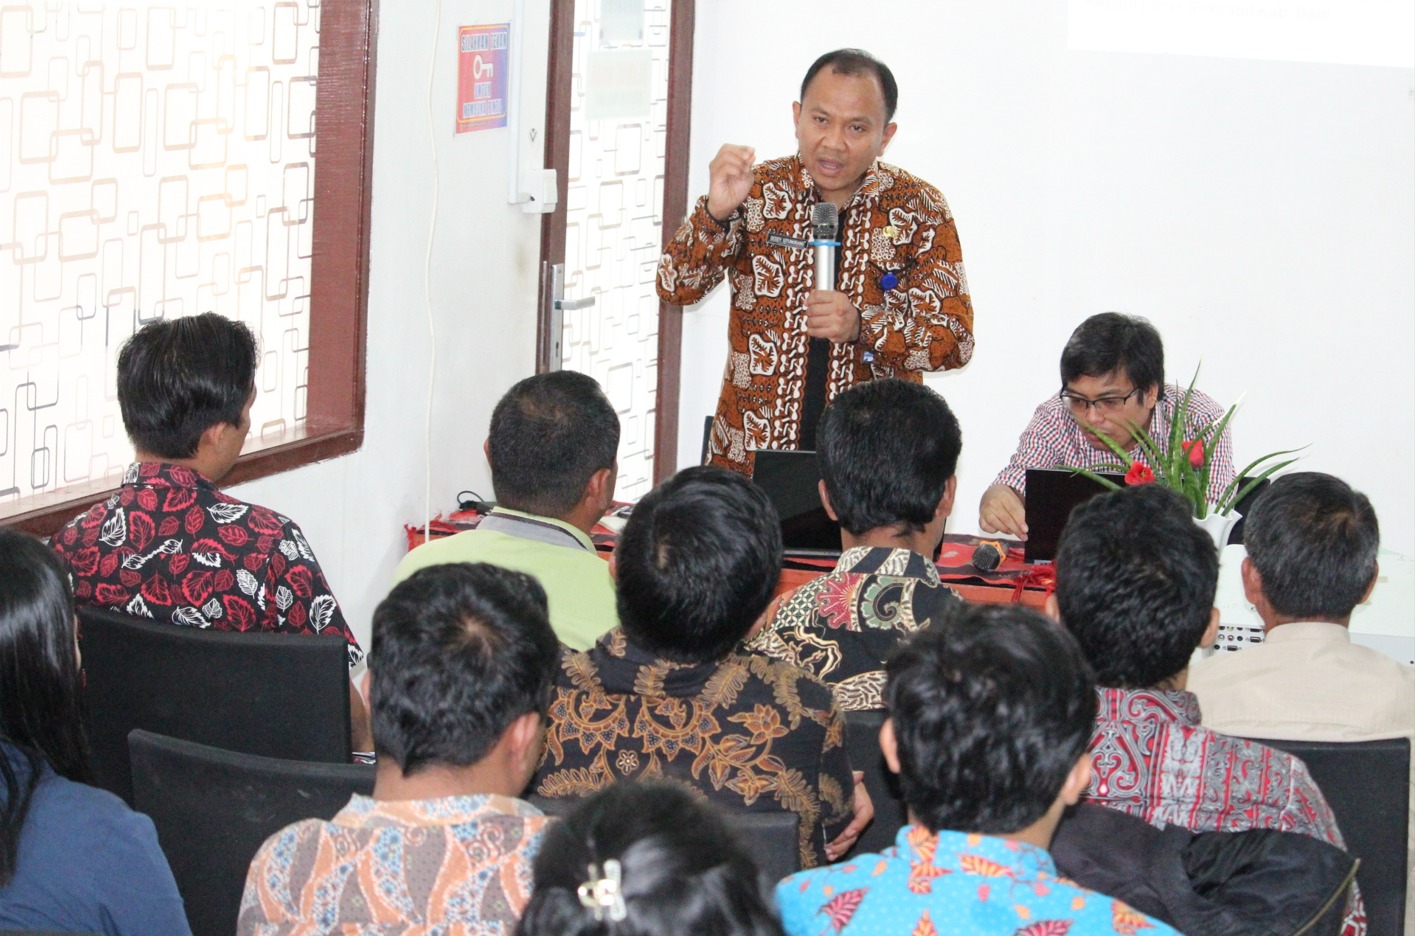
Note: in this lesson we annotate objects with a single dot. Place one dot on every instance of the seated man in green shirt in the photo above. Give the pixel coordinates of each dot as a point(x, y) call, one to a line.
point(552, 448)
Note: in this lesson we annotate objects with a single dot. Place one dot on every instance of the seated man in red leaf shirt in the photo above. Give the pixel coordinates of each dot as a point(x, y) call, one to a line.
point(169, 545)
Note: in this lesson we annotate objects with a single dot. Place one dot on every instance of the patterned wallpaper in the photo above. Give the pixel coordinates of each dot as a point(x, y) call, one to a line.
point(614, 208)
point(156, 160)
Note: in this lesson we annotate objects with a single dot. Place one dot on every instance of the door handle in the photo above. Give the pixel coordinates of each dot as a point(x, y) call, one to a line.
point(570, 305)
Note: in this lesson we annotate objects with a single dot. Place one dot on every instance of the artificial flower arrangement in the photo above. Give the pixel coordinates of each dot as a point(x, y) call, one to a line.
point(1184, 466)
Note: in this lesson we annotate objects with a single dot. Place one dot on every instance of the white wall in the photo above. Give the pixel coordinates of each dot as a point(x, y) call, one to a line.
point(483, 293)
point(1261, 214)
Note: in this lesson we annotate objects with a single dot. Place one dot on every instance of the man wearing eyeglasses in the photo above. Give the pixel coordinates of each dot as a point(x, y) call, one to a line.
point(1112, 380)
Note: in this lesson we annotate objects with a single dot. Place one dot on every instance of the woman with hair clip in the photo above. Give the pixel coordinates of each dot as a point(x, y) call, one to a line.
point(72, 858)
point(646, 859)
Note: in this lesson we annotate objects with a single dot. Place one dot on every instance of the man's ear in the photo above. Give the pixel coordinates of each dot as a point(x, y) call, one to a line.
point(1371, 587)
point(1210, 632)
point(599, 490)
point(945, 503)
point(486, 450)
point(825, 501)
point(889, 129)
point(889, 745)
point(1077, 779)
point(1052, 608)
point(614, 566)
point(1252, 581)
point(524, 737)
point(213, 436)
point(795, 113)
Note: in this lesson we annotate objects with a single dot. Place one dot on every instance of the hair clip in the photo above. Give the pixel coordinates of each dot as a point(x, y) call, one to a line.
point(603, 894)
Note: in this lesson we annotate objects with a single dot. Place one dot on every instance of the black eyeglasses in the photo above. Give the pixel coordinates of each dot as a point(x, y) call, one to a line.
point(1105, 405)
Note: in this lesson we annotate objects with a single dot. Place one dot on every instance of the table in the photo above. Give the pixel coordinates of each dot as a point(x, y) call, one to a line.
point(1012, 581)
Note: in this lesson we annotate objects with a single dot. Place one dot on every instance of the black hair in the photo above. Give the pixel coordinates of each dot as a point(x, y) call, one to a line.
point(1135, 581)
point(460, 651)
point(992, 706)
point(1314, 542)
point(179, 377)
point(855, 62)
point(697, 563)
point(887, 449)
point(1109, 342)
point(682, 869)
point(41, 694)
point(549, 434)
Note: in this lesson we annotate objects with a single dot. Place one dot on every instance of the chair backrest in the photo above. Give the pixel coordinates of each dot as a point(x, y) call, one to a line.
point(277, 695)
point(1367, 785)
point(862, 743)
point(213, 809)
point(770, 838)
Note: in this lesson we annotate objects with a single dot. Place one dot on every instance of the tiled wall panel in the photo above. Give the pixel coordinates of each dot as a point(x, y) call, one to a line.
point(156, 159)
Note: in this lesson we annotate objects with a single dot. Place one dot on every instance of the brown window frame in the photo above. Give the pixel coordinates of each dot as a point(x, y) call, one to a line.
point(334, 421)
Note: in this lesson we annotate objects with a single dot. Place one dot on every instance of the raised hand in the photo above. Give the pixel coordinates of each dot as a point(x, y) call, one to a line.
point(729, 179)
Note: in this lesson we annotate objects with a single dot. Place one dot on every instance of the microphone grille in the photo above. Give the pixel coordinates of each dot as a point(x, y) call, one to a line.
point(825, 219)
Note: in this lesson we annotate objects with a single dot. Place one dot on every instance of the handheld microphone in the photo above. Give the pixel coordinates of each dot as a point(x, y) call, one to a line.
point(825, 227)
point(989, 555)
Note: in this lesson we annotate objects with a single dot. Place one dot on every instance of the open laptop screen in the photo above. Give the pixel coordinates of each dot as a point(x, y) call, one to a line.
point(791, 481)
point(1052, 493)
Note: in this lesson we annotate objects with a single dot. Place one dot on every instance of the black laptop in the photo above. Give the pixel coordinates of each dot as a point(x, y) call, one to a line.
point(791, 479)
point(1052, 493)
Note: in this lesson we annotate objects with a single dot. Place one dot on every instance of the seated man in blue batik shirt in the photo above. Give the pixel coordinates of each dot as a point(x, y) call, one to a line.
point(888, 451)
point(990, 713)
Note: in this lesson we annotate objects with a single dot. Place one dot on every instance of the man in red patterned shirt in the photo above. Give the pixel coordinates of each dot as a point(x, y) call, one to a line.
point(1135, 583)
point(168, 545)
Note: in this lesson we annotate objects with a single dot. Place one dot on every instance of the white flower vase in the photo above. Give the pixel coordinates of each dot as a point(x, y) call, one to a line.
point(1217, 525)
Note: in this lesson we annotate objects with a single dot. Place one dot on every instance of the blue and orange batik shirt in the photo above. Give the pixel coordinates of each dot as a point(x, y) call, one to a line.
point(952, 882)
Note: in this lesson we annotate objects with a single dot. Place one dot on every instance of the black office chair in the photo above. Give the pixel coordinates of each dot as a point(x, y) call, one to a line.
point(770, 838)
point(277, 695)
point(1367, 785)
point(213, 809)
point(891, 815)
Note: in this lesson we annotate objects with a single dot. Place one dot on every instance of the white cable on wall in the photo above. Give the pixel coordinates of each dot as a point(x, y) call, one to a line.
point(427, 280)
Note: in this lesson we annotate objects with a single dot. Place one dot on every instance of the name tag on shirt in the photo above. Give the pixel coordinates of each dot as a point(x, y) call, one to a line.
point(781, 240)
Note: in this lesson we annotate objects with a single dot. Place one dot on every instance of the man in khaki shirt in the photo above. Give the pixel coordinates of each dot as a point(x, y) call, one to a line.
point(1312, 544)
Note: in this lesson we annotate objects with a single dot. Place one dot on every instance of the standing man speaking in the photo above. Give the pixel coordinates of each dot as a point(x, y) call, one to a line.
point(897, 304)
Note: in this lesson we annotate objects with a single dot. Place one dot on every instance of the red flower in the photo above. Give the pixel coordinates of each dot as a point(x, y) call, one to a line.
point(1195, 449)
point(1139, 473)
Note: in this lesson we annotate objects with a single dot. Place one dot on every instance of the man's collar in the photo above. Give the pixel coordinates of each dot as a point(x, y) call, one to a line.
point(516, 523)
point(365, 812)
point(1308, 630)
point(1178, 705)
point(166, 474)
point(882, 560)
point(873, 182)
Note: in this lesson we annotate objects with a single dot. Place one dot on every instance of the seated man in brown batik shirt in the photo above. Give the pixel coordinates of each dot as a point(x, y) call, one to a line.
point(671, 693)
point(887, 451)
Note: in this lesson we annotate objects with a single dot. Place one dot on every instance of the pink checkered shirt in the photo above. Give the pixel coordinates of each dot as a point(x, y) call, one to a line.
point(1053, 438)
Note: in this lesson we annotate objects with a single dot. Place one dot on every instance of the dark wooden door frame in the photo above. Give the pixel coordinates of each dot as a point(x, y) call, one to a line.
point(675, 201)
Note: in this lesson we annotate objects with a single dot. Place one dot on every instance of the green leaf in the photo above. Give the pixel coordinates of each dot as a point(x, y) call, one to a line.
point(1087, 472)
point(1230, 498)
